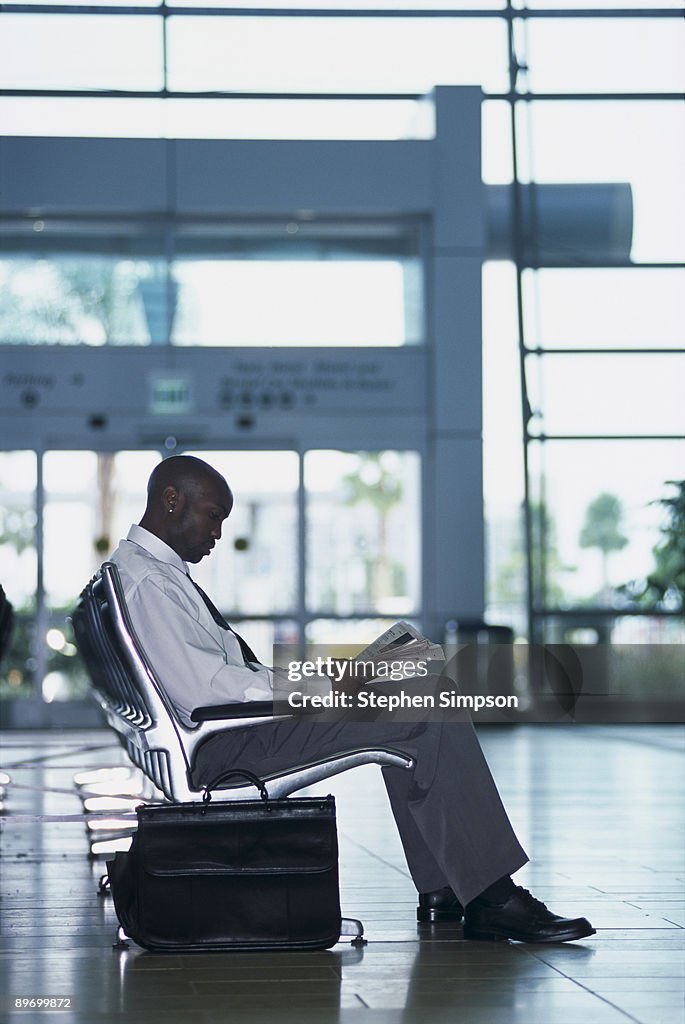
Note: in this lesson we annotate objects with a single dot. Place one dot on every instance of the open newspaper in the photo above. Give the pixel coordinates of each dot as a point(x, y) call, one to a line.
point(402, 642)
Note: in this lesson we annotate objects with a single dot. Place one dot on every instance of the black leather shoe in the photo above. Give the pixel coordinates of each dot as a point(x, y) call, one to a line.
point(439, 907)
point(524, 919)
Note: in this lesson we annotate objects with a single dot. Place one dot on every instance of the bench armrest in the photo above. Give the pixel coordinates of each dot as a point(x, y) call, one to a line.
point(248, 709)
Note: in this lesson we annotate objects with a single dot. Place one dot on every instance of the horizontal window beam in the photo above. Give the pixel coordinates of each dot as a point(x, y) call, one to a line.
point(586, 611)
point(601, 265)
point(217, 94)
point(603, 351)
point(508, 14)
point(604, 437)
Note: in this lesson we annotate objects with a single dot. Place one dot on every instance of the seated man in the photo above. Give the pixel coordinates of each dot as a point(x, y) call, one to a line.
point(459, 844)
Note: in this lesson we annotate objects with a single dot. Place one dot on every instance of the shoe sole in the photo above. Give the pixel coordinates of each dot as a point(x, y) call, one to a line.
point(569, 936)
point(438, 917)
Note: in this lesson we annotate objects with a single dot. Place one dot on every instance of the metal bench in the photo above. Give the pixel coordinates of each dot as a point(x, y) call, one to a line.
point(135, 705)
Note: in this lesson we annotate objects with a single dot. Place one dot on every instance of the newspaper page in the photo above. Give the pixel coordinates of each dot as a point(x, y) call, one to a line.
point(402, 642)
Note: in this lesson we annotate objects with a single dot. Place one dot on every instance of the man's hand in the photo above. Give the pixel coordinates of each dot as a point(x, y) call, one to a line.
point(350, 675)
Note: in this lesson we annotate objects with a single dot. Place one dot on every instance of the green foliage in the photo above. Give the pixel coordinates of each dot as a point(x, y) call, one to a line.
point(665, 585)
point(602, 530)
point(509, 584)
point(380, 485)
point(71, 300)
point(17, 528)
point(602, 527)
point(373, 483)
point(16, 677)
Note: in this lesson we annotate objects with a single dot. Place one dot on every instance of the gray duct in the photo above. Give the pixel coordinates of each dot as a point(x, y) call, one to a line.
point(564, 224)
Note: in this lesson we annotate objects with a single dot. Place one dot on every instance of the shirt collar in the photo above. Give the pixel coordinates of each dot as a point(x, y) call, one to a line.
point(156, 547)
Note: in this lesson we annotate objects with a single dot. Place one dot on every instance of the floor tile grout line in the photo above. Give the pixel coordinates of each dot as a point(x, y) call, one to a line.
point(585, 988)
point(396, 947)
point(348, 838)
point(600, 732)
point(28, 762)
point(608, 1002)
point(663, 917)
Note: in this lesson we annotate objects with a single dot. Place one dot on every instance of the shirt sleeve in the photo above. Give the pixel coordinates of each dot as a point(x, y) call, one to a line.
point(194, 668)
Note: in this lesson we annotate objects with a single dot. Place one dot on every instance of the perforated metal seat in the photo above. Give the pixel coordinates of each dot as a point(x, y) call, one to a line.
point(135, 705)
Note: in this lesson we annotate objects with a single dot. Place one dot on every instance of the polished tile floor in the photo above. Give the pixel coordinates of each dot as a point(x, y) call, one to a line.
point(599, 808)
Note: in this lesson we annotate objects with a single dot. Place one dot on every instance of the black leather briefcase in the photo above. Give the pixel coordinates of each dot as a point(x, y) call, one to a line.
point(248, 874)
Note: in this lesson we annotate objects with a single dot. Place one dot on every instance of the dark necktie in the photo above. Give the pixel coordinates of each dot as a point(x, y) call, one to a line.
point(248, 653)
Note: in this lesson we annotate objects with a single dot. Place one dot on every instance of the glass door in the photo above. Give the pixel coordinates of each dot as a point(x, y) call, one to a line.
point(89, 501)
point(19, 571)
point(61, 514)
point(322, 545)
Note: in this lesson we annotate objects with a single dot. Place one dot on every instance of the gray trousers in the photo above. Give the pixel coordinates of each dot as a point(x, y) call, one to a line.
point(450, 817)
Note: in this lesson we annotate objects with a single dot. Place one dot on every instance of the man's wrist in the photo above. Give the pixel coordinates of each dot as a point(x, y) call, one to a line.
point(349, 675)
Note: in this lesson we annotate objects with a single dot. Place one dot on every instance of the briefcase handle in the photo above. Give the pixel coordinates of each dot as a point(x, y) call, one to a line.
point(254, 779)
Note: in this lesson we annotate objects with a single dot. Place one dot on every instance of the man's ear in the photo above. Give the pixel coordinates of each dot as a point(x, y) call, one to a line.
point(171, 499)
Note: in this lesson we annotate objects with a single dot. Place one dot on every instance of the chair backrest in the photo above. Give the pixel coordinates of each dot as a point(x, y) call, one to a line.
point(126, 687)
point(136, 706)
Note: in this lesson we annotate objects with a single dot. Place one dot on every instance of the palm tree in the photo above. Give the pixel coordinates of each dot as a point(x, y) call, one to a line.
point(374, 484)
point(602, 530)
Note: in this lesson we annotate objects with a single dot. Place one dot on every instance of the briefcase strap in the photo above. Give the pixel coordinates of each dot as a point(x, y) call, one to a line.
point(254, 779)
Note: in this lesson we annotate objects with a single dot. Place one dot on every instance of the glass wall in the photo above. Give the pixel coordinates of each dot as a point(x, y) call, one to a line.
point(355, 284)
point(91, 300)
point(363, 530)
point(19, 567)
point(253, 570)
point(599, 517)
point(583, 405)
point(328, 541)
point(53, 539)
point(310, 302)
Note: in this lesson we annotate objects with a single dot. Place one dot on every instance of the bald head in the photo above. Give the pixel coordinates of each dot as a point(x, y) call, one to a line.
point(187, 502)
point(183, 472)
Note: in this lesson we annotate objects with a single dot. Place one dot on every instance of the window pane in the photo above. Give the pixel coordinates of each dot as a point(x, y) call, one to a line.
point(83, 117)
point(91, 499)
point(363, 529)
point(639, 143)
point(605, 55)
point(97, 3)
point(18, 528)
point(309, 303)
point(253, 570)
point(609, 394)
point(335, 55)
point(262, 634)
point(80, 52)
point(88, 300)
point(350, 631)
point(640, 657)
point(216, 119)
point(592, 547)
point(18, 568)
point(353, 4)
point(497, 162)
point(605, 308)
point(556, 4)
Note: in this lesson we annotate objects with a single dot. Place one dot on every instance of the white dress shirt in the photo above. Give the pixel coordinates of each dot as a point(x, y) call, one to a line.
point(196, 661)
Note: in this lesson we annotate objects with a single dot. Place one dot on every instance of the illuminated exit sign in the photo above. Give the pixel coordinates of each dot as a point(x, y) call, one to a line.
point(170, 395)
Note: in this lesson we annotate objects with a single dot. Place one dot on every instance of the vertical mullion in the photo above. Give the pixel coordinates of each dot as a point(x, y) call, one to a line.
point(165, 77)
point(301, 551)
point(38, 642)
point(517, 244)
